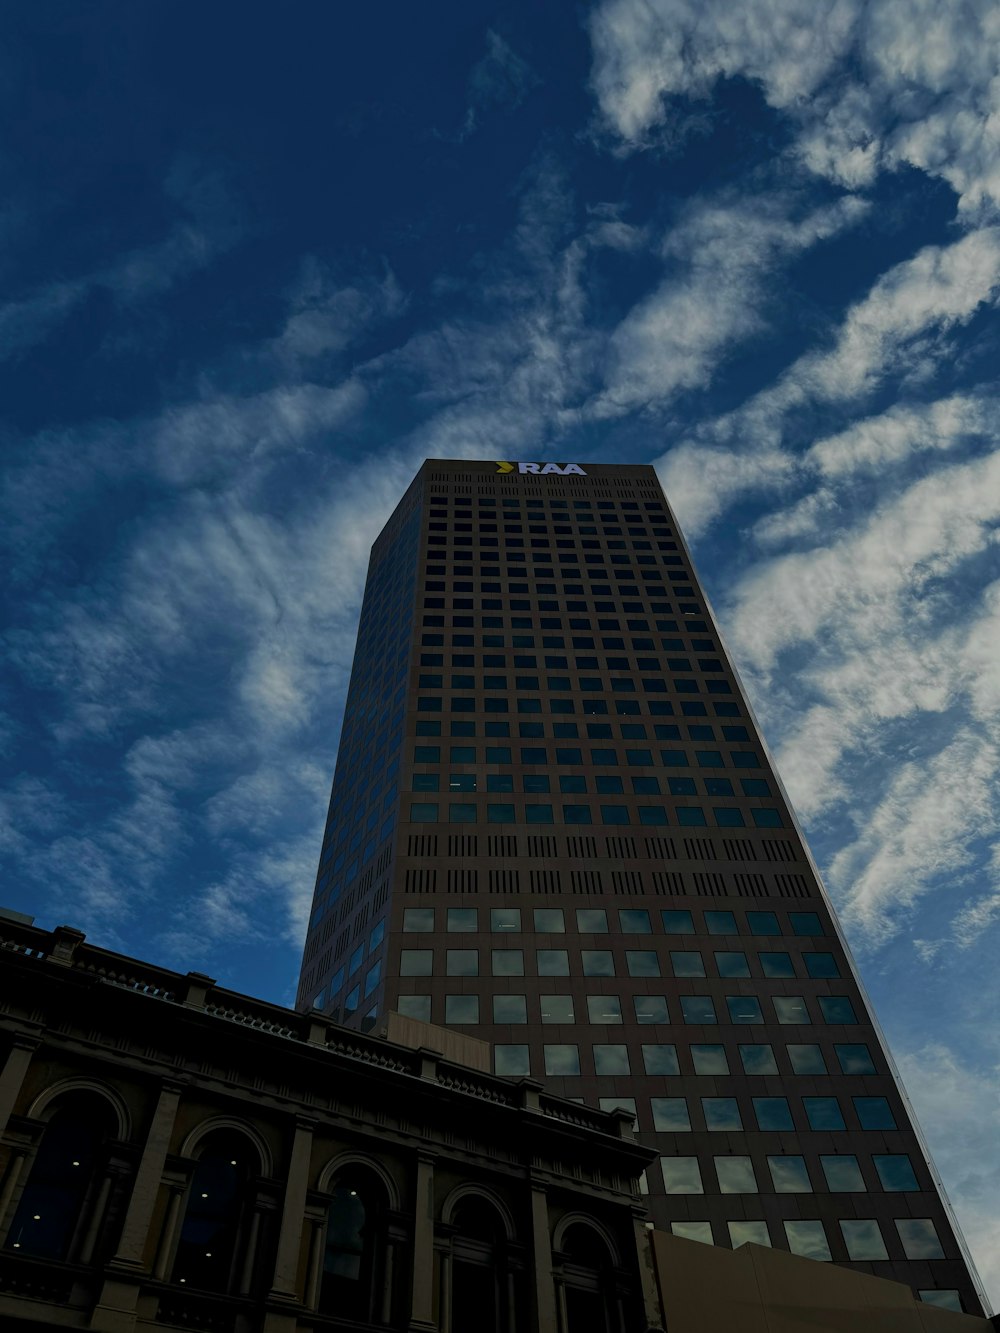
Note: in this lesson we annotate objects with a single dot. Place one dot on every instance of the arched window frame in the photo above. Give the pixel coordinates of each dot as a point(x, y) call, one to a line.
point(505, 1260)
point(243, 1274)
point(610, 1282)
point(89, 1233)
point(385, 1242)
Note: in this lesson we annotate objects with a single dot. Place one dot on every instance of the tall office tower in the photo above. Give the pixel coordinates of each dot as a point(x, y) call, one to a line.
point(554, 825)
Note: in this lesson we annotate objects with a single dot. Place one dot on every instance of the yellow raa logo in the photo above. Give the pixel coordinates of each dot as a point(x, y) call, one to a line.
point(544, 469)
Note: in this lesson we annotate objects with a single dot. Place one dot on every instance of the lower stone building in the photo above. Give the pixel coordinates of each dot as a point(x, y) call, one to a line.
point(177, 1156)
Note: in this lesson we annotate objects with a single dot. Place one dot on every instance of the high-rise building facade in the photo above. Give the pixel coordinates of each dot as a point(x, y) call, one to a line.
point(554, 825)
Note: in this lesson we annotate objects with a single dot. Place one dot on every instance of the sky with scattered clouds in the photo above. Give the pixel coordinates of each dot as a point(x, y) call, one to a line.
point(257, 265)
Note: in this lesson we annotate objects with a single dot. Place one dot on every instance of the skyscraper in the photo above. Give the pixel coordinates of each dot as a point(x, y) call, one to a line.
point(554, 825)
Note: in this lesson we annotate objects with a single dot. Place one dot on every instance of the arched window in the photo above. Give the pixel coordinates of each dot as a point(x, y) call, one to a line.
point(51, 1213)
point(210, 1236)
point(481, 1292)
point(588, 1282)
point(354, 1275)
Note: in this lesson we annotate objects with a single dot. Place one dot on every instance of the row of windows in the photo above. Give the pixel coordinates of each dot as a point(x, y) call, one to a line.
point(534, 503)
point(556, 663)
point(606, 756)
point(729, 964)
point(528, 638)
point(691, 816)
point(577, 784)
point(862, 1240)
point(435, 681)
point(789, 1010)
point(592, 707)
point(594, 921)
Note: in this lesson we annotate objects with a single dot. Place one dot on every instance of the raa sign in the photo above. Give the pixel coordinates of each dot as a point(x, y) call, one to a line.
point(544, 469)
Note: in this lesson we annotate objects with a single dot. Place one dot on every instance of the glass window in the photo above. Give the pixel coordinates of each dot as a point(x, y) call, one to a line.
point(427, 754)
point(511, 1060)
point(744, 1009)
point(895, 1171)
point(505, 918)
point(423, 812)
point(777, 965)
point(772, 1113)
point(660, 1059)
point(687, 963)
point(823, 1113)
point(461, 814)
point(463, 920)
point(561, 1059)
point(874, 1113)
point(416, 962)
point(507, 962)
point(611, 1059)
point(709, 1058)
point(418, 920)
point(552, 962)
point(614, 814)
point(557, 1008)
point(604, 1009)
point(681, 1175)
point(577, 814)
point(728, 816)
point(570, 784)
point(721, 1113)
point(919, 1238)
point(762, 923)
point(497, 754)
point(537, 814)
point(677, 921)
point(821, 965)
point(462, 754)
point(854, 1058)
point(803, 923)
point(462, 962)
point(549, 921)
point(806, 1059)
point(634, 921)
point(690, 816)
point(700, 1231)
point(597, 962)
point(758, 1059)
point(720, 923)
point(425, 782)
point(591, 920)
point(670, 1113)
point(837, 1009)
point(414, 1006)
point(808, 1239)
point(499, 782)
point(650, 1008)
point(682, 787)
point(461, 1008)
point(732, 964)
point(698, 1009)
point(748, 1233)
point(863, 1239)
point(736, 1175)
point(510, 1009)
point(790, 1009)
point(789, 1175)
point(945, 1298)
point(608, 785)
point(642, 963)
point(621, 1104)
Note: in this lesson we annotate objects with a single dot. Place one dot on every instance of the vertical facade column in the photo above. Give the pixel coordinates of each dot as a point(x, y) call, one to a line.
point(165, 1249)
point(541, 1243)
point(12, 1177)
point(649, 1284)
point(97, 1216)
point(12, 1078)
point(293, 1213)
point(314, 1274)
point(422, 1298)
point(145, 1191)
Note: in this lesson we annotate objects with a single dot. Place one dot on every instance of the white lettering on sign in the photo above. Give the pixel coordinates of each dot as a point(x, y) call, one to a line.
point(544, 469)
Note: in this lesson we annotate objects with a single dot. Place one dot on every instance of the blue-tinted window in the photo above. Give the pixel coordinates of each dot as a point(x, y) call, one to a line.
point(614, 814)
point(821, 965)
point(806, 1058)
point(732, 964)
point(777, 965)
point(687, 963)
point(837, 1009)
point(728, 816)
point(854, 1058)
point(425, 782)
point(874, 1113)
point(677, 921)
point(762, 923)
point(691, 816)
point(767, 818)
point(758, 1058)
point(500, 814)
point(650, 1008)
point(744, 1009)
point(577, 814)
point(423, 812)
point(823, 1113)
point(843, 1174)
point(772, 1113)
point(681, 786)
point(805, 923)
point(698, 1009)
point(721, 1113)
point(895, 1171)
point(720, 923)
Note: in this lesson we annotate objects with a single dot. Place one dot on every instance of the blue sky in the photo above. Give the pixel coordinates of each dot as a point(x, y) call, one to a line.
point(257, 265)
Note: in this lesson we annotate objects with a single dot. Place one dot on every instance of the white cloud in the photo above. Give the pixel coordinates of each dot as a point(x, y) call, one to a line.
point(877, 443)
point(867, 86)
point(958, 1106)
